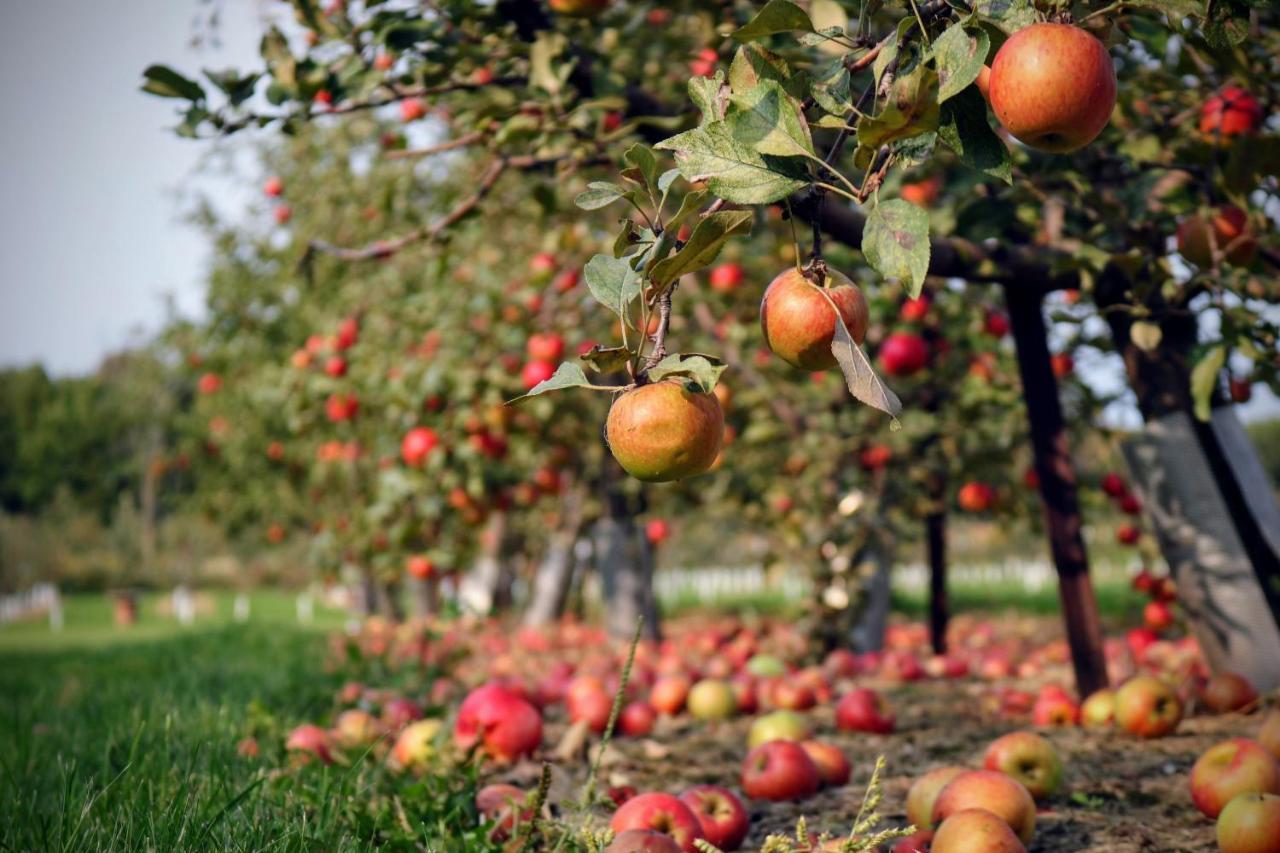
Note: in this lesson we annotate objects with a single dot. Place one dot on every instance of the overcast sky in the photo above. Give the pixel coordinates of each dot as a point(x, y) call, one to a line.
point(91, 237)
point(91, 240)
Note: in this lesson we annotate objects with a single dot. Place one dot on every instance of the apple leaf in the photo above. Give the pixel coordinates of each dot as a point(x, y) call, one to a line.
point(830, 87)
point(734, 171)
point(895, 242)
point(860, 376)
point(641, 156)
point(1204, 380)
point(959, 56)
point(777, 16)
point(567, 375)
point(912, 109)
point(708, 236)
point(612, 282)
point(770, 121)
point(963, 127)
point(604, 359)
point(753, 64)
point(1008, 15)
point(703, 370)
point(705, 94)
point(163, 81)
point(600, 194)
point(690, 205)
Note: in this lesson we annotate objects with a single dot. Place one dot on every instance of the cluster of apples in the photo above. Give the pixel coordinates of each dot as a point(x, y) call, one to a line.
point(273, 187)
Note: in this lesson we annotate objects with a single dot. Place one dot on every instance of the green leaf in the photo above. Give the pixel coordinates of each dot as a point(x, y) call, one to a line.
point(912, 109)
point(708, 237)
point(777, 16)
point(280, 61)
point(625, 239)
point(542, 73)
point(238, 89)
point(599, 194)
point(734, 171)
point(964, 128)
point(1204, 380)
point(770, 121)
point(666, 179)
point(958, 56)
point(642, 157)
point(753, 64)
point(859, 376)
point(895, 242)
point(164, 81)
point(612, 282)
point(606, 359)
point(1008, 15)
point(703, 370)
point(705, 94)
point(690, 205)
point(567, 375)
point(829, 85)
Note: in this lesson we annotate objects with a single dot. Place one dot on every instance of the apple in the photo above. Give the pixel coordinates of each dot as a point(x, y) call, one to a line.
point(999, 794)
point(799, 323)
point(535, 372)
point(916, 842)
point(1113, 484)
point(495, 717)
point(1269, 732)
point(705, 63)
point(975, 831)
point(1147, 707)
point(1055, 710)
point(310, 741)
point(903, 354)
point(1235, 766)
point(833, 767)
point(726, 278)
point(1128, 534)
point(591, 706)
point(996, 324)
point(922, 193)
point(793, 695)
point(975, 497)
point(669, 694)
point(636, 719)
point(209, 383)
point(503, 805)
point(778, 725)
point(721, 814)
point(399, 712)
point(545, 346)
point(283, 213)
point(1229, 113)
point(924, 792)
point(779, 770)
point(1030, 759)
point(412, 109)
point(657, 530)
point(1099, 709)
point(915, 310)
point(864, 710)
point(664, 431)
point(1227, 691)
point(744, 693)
point(1241, 390)
point(1232, 236)
point(355, 727)
point(341, 407)
point(1053, 87)
point(1250, 823)
point(642, 841)
point(416, 745)
point(765, 665)
point(659, 813)
point(1157, 616)
point(712, 699)
point(578, 7)
point(1129, 504)
point(274, 187)
point(1062, 364)
point(417, 444)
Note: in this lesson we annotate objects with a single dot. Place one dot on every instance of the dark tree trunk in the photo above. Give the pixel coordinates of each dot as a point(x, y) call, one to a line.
point(1058, 490)
point(939, 606)
point(626, 571)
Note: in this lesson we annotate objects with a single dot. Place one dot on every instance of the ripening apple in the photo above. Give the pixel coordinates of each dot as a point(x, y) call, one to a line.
point(704, 65)
point(412, 109)
point(1053, 87)
point(1235, 766)
point(417, 445)
point(915, 310)
point(545, 346)
point(657, 530)
point(1231, 233)
point(924, 791)
point(665, 431)
point(283, 214)
point(976, 496)
point(996, 324)
point(723, 818)
point(975, 830)
point(1250, 823)
point(726, 278)
point(1062, 364)
point(1113, 484)
point(659, 813)
point(420, 566)
point(274, 187)
point(336, 367)
point(1229, 113)
point(999, 794)
point(1147, 707)
point(209, 383)
point(798, 320)
point(903, 354)
point(578, 7)
point(535, 372)
point(1226, 692)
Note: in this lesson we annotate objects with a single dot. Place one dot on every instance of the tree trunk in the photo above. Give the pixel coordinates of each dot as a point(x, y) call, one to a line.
point(939, 606)
point(1206, 495)
point(553, 578)
point(874, 564)
point(1058, 489)
point(426, 597)
point(365, 598)
point(626, 573)
point(488, 586)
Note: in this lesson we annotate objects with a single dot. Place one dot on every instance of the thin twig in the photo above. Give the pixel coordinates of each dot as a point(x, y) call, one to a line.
point(418, 153)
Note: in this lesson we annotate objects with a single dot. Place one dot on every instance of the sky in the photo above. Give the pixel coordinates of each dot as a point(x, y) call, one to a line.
point(92, 243)
point(91, 237)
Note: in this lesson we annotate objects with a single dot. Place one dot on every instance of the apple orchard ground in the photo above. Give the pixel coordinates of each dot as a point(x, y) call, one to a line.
point(134, 746)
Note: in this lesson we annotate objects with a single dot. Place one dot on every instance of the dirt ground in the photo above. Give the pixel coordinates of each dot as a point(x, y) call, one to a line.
point(1119, 793)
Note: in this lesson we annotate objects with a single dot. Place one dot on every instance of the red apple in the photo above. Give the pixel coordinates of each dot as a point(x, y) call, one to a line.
point(1231, 235)
point(1235, 766)
point(1147, 707)
point(1113, 484)
point(995, 792)
point(501, 721)
point(1062, 364)
point(1030, 759)
point(864, 710)
point(669, 694)
point(412, 109)
point(400, 712)
point(642, 841)
point(545, 346)
point(274, 187)
point(722, 816)
point(591, 706)
point(975, 497)
point(798, 320)
point(504, 805)
point(1229, 113)
point(1055, 710)
point(416, 745)
point(1269, 732)
point(1227, 691)
point(657, 530)
point(975, 831)
point(903, 354)
point(726, 278)
point(310, 741)
point(1250, 823)
point(996, 324)
point(779, 770)
point(833, 767)
point(417, 444)
point(636, 719)
point(1157, 616)
point(659, 813)
point(915, 310)
point(1053, 87)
